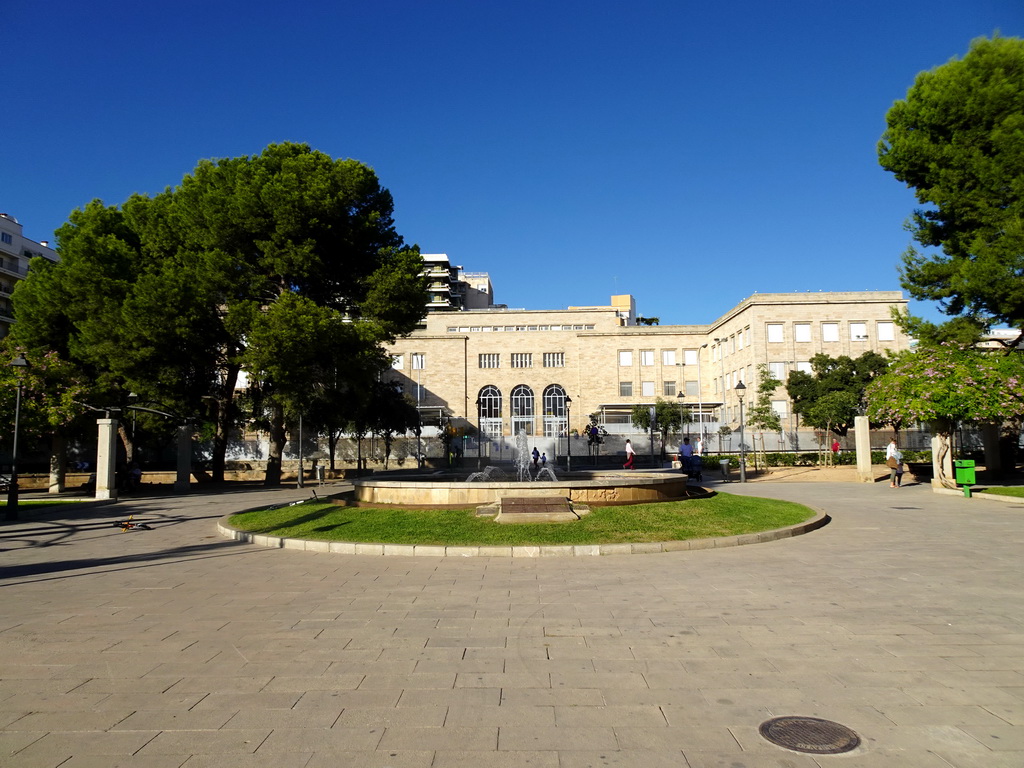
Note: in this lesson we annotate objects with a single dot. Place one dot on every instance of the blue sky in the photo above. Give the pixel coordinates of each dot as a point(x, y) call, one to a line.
point(687, 153)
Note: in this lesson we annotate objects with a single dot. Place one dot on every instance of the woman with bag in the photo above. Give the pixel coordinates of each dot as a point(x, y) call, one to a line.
point(894, 461)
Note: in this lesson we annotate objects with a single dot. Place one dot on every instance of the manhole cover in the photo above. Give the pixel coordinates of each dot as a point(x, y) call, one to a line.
point(809, 734)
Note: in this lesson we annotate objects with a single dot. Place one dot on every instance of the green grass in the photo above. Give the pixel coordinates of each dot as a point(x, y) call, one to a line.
point(1017, 491)
point(720, 515)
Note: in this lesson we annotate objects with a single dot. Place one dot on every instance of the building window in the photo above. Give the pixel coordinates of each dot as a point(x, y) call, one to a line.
point(802, 331)
point(886, 332)
point(489, 405)
point(419, 361)
point(689, 357)
point(554, 359)
point(522, 360)
point(775, 333)
point(692, 389)
point(6, 238)
point(626, 359)
point(490, 360)
point(732, 344)
point(397, 362)
point(777, 370)
point(647, 388)
point(668, 357)
point(830, 331)
point(556, 415)
point(668, 388)
point(781, 408)
point(625, 389)
point(858, 331)
point(522, 409)
point(646, 357)
point(805, 367)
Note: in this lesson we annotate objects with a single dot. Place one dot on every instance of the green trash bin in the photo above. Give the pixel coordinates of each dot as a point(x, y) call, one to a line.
point(963, 471)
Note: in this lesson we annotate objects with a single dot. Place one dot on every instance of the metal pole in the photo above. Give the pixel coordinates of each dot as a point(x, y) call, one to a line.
point(700, 399)
point(299, 482)
point(11, 512)
point(743, 452)
point(568, 437)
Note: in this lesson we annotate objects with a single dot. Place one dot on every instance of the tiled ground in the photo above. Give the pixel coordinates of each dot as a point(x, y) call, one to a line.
point(902, 619)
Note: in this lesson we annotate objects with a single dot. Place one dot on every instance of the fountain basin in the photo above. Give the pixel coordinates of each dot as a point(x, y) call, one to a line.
point(596, 489)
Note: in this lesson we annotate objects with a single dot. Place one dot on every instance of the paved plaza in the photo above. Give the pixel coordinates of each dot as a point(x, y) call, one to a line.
point(902, 619)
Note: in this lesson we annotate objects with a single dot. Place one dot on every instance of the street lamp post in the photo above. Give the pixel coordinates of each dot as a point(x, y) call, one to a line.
point(479, 433)
point(11, 513)
point(568, 437)
point(700, 399)
point(741, 389)
point(681, 396)
point(721, 386)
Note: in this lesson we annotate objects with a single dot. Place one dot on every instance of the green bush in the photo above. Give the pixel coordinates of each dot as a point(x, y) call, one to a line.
point(806, 458)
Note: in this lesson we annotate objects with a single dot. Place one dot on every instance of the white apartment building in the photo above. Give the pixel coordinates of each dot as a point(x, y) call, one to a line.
point(16, 251)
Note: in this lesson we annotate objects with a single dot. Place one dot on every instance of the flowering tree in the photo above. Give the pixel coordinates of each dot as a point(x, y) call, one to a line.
point(945, 385)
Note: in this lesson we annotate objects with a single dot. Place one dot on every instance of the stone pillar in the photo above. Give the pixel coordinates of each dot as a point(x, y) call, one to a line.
point(58, 463)
point(106, 459)
point(862, 443)
point(181, 484)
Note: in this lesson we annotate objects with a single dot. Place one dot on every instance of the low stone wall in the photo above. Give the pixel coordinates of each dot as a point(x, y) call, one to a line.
point(603, 489)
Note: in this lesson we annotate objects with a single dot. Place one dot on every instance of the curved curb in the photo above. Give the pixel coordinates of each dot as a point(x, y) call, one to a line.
point(569, 550)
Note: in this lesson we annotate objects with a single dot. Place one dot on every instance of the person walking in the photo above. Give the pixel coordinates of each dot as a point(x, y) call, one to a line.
point(686, 456)
point(630, 454)
point(894, 461)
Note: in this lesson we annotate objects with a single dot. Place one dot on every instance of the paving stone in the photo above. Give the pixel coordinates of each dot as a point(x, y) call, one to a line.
point(887, 620)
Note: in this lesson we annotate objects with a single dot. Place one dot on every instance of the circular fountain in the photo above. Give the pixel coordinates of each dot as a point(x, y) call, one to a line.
point(447, 489)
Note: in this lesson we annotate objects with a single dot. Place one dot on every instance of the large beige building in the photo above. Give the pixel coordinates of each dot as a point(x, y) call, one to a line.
point(16, 251)
point(549, 371)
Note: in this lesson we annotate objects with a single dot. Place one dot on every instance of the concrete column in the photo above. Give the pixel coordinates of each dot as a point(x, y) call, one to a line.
point(862, 443)
point(106, 459)
point(58, 463)
point(181, 484)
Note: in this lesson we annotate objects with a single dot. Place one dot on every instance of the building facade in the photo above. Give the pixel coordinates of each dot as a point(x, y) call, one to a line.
point(16, 251)
point(549, 372)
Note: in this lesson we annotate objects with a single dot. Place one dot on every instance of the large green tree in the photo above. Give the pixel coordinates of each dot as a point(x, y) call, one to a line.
point(958, 141)
point(945, 385)
point(816, 396)
point(285, 264)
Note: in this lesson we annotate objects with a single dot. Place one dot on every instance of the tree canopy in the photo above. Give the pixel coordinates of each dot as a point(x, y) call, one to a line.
point(958, 141)
point(830, 398)
point(284, 264)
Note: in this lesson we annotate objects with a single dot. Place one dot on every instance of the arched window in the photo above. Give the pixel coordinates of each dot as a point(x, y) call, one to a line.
point(489, 403)
point(556, 421)
point(522, 409)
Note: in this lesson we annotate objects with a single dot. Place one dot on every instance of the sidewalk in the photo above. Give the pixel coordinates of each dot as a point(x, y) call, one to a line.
point(901, 619)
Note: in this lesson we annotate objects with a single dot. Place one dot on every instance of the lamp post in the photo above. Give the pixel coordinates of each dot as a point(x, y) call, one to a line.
point(299, 481)
point(479, 433)
point(741, 389)
point(417, 363)
point(721, 385)
point(568, 437)
point(11, 513)
point(681, 396)
point(700, 399)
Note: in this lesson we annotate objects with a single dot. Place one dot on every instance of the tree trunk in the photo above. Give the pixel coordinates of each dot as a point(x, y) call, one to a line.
point(332, 444)
point(129, 446)
point(942, 454)
point(276, 450)
point(222, 425)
